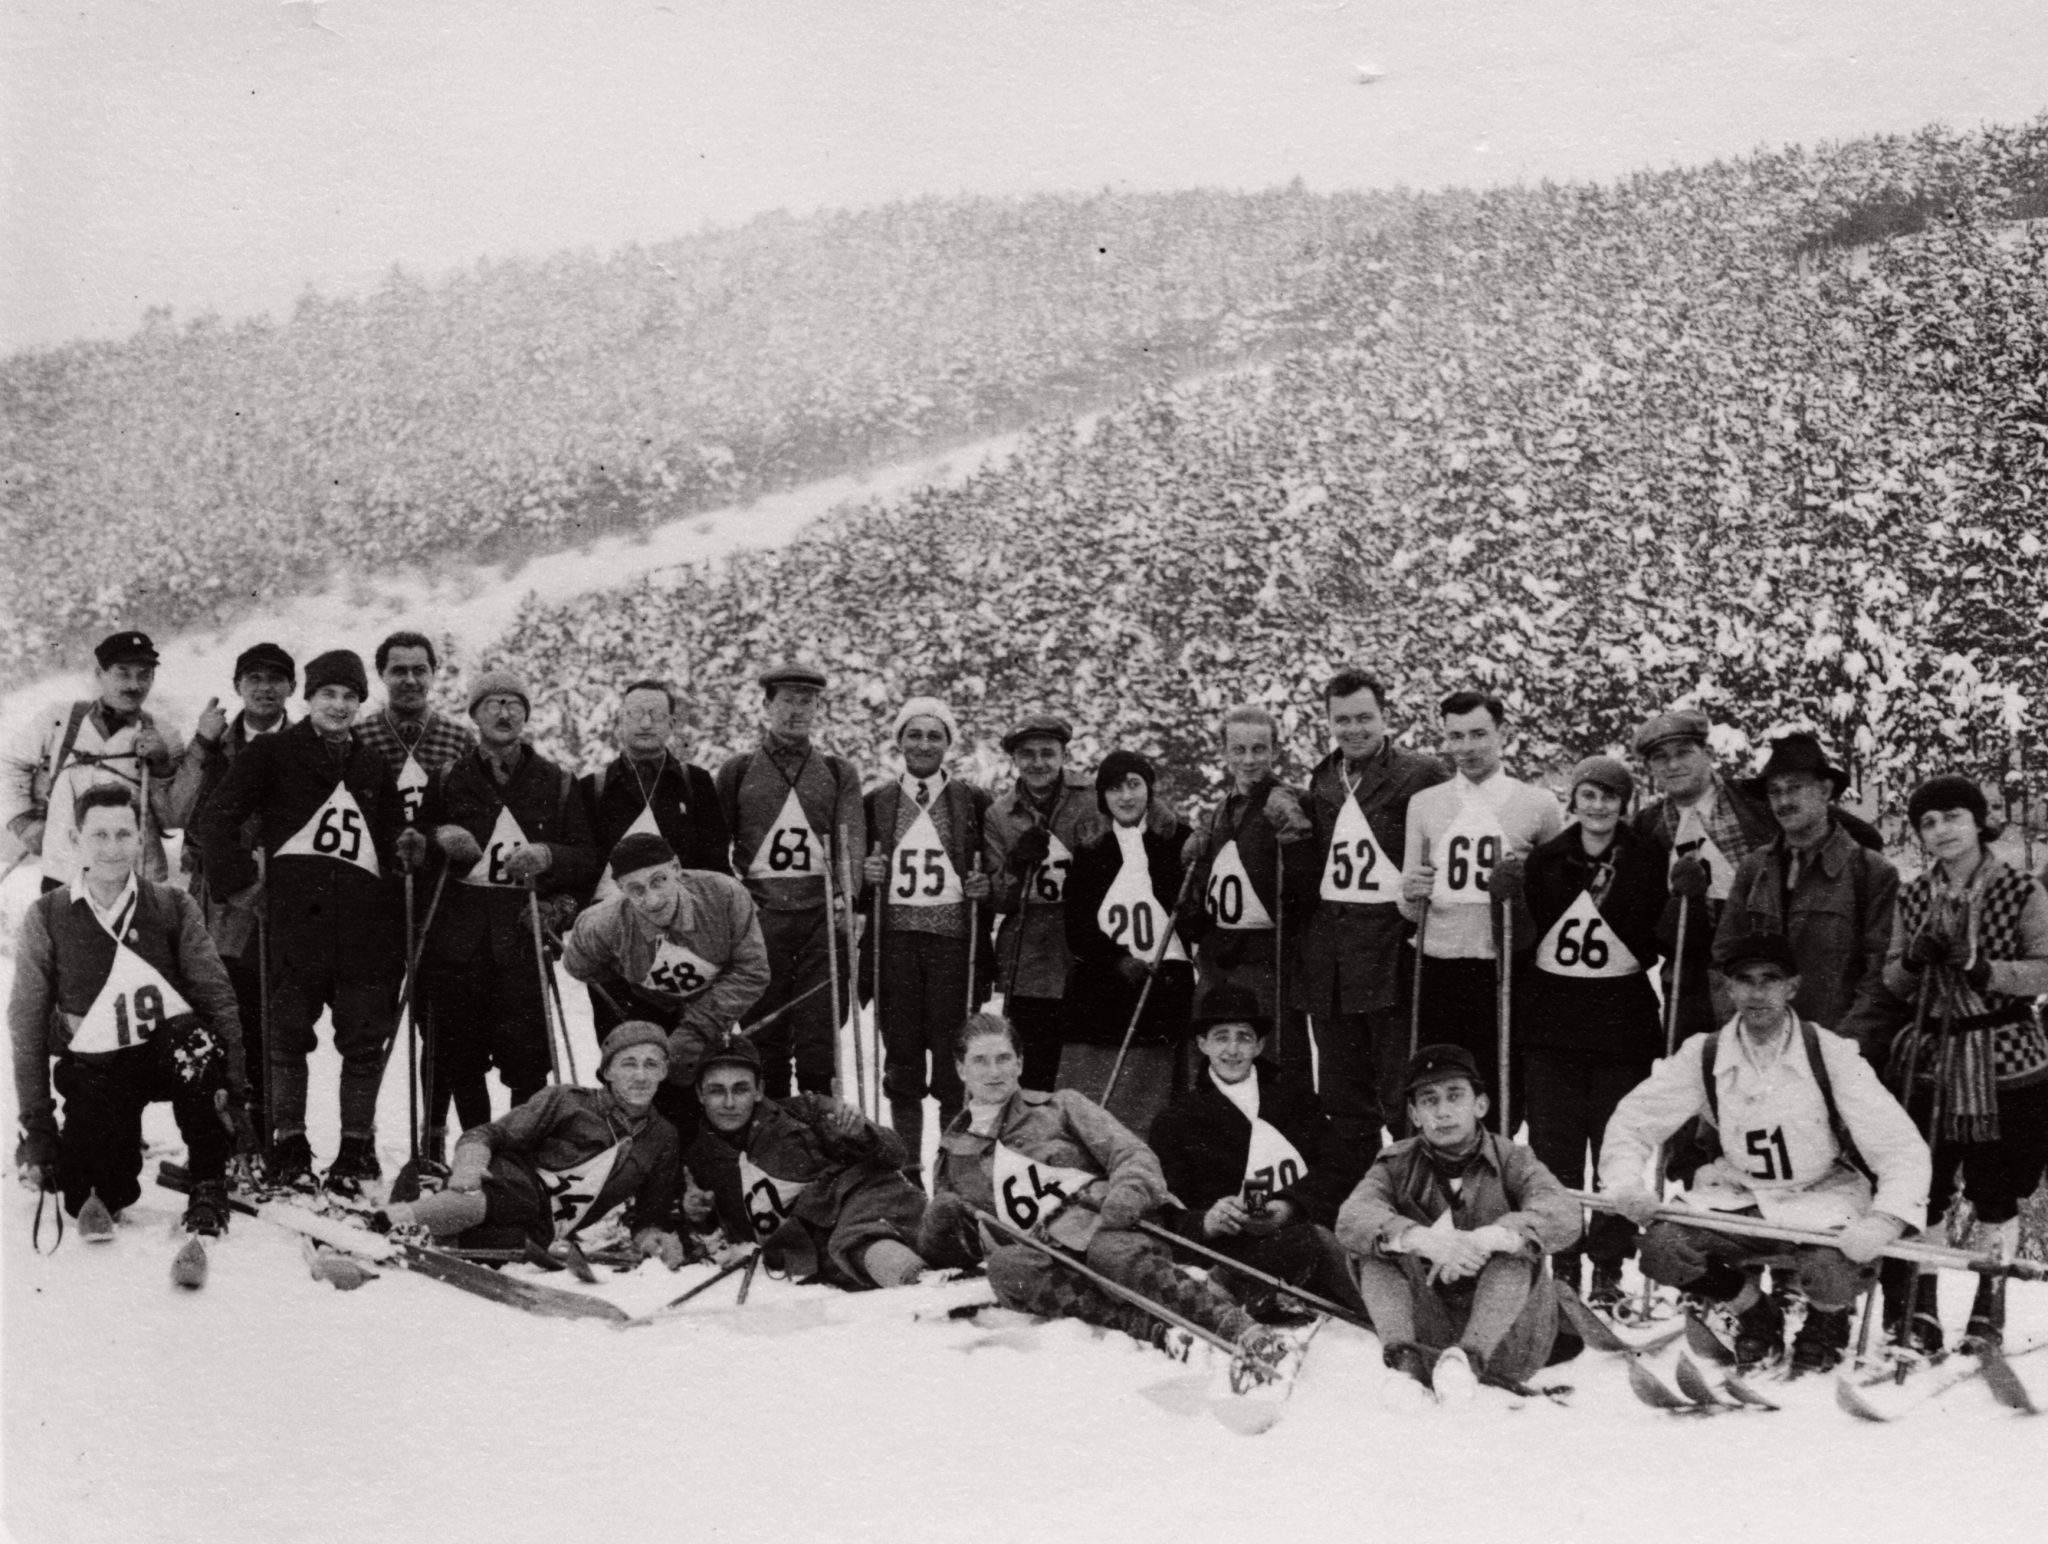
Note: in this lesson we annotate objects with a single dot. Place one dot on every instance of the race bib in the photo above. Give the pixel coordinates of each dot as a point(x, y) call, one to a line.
point(1048, 882)
point(506, 839)
point(338, 831)
point(573, 1192)
point(1272, 1158)
point(1785, 1154)
point(1231, 899)
point(1132, 918)
point(643, 825)
point(412, 787)
point(1357, 869)
point(678, 971)
point(1028, 1192)
point(768, 1200)
point(133, 1004)
point(921, 873)
point(1465, 855)
point(1692, 841)
point(791, 849)
point(1583, 946)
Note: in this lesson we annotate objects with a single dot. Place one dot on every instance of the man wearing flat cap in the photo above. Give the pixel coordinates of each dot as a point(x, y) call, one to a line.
point(71, 746)
point(925, 865)
point(509, 836)
point(1813, 883)
point(1806, 1135)
point(1033, 832)
point(799, 833)
point(676, 947)
point(264, 677)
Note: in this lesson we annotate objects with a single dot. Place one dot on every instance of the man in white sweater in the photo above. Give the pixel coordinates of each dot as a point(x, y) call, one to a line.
point(1458, 833)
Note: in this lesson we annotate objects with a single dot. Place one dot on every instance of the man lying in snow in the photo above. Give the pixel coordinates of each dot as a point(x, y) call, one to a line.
point(819, 1186)
point(563, 1159)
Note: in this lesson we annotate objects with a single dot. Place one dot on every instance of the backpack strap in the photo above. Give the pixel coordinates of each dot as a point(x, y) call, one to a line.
point(65, 744)
point(1709, 1054)
point(1819, 1064)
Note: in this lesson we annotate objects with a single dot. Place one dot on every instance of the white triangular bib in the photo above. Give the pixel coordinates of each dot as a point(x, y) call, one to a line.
point(1466, 853)
point(338, 831)
point(573, 1192)
point(1357, 869)
point(678, 971)
point(791, 849)
point(1028, 1191)
point(1130, 916)
point(1232, 901)
point(1581, 945)
point(1272, 1157)
point(412, 787)
point(921, 872)
point(643, 825)
point(506, 839)
point(1049, 880)
point(133, 1004)
point(1693, 841)
point(767, 1199)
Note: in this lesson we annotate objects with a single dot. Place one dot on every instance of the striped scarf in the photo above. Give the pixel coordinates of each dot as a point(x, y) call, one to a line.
point(1983, 1037)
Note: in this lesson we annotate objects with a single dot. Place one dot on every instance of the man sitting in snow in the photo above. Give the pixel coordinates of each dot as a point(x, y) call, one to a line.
point(563, 1159)
point(818, 1185)
point(1804, 1125)
point(1451, 1227)
point(1255, 1170)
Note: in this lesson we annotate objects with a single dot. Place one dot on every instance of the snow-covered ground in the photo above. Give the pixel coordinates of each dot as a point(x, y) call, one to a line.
point(272, 1407)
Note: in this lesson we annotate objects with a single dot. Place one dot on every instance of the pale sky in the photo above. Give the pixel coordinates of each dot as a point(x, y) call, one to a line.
point(225, 154)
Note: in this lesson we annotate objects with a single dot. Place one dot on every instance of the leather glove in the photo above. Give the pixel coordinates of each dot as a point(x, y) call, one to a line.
point(1863, 1239)
point(558, 912)
point(1288, 819)
point(529, 862)
point(410, 849)
point(467, 1172)
point(1978, 974)
point(1121, 1208)
point(1132, 970)
point(1509, 878)
point(462, 850)
point(1689, 879)
point(1930, 948)
point(1636, 1203)
point(874, 870)
point(1031, 851)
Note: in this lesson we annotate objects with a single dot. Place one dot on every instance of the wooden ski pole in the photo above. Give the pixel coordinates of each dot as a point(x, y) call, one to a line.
point(838, 1009)
point(1115, 1289)
point(1662, 1155)
point(540, 965)
point(1116, 1067)
point(1217, 1257)
point(973, 939)
point(412, 1040)
point(1504, 1011)
point(1415, 984)
point(879, 922)
point(1280, 956)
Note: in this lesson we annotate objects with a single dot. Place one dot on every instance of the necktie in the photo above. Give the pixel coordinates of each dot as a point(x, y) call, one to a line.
point(924, 793)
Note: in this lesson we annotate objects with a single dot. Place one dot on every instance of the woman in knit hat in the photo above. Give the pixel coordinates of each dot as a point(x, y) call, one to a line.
point(1970, 946)
point(1587, 1026)
point(563, 1159)
point(1122, 893)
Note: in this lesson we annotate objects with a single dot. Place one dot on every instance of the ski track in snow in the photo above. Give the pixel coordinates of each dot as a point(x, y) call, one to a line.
point(272, 1407)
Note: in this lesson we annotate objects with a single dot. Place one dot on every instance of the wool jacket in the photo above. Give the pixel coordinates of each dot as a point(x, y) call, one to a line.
point(684, 803)
point(61, 959)
point(1615, 1015)
point(1840, 950)
point(1505, 1183)
point(33, 785)
point(1350, 950)
point(565, 1125)
point(960, 813)
point(1527, 815)
point(753, 789)
point(1281, 877)
point(481, 927)
point(1066, 1130)
point(1204, 1143)
point(198, 778)
point(316, 906)
point(1032, 958)
point(616, 947)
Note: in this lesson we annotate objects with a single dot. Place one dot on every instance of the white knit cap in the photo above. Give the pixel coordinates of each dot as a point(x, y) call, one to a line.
point(926, 707)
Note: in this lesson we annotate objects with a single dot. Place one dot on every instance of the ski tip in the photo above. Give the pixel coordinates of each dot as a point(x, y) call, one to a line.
point(2003, 1382)
point(1746, 1392)
point(188, 1266)
point(1693, 1383)
point(1703, 1342)
point(1653, 1390)
point(1854, 1401)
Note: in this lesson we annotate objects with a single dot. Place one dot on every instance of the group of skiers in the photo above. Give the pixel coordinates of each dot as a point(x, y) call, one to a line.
point(1205, 1027)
